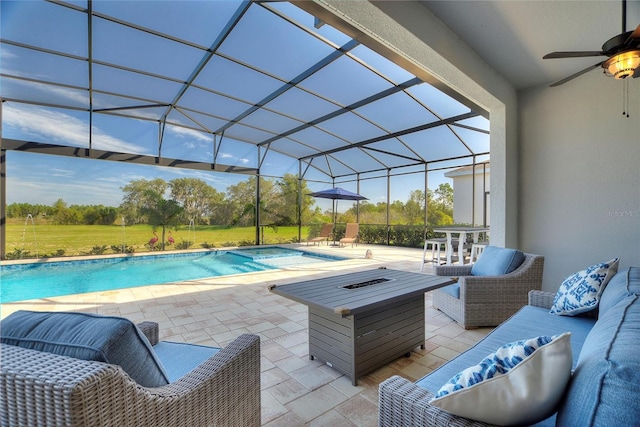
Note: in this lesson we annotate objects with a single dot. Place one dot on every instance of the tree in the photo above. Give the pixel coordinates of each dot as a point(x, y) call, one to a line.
point(98, 214)
point(135, 194)
point(196, 198)
point(161, 212)
point(270, 207)
point(368, 212)
point(21, 210)
point(285, 201)
point(414, 209)
point(444, 197)
point(241, 202)
point(221, 210)
point(64, 215)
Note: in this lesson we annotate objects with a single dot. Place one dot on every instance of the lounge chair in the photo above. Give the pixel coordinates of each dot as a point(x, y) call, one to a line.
point(350, 234)
point(325, 234)
point(201, 386)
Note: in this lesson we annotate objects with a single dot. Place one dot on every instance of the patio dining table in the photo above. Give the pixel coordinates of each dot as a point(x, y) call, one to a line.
point(461, 232)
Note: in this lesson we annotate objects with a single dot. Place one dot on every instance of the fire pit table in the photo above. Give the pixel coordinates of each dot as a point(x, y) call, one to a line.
point(359, 322)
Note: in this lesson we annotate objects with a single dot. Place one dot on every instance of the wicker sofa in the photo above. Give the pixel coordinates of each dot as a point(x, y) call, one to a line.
point(477, 301)
point(42, 388)
point(604, 385)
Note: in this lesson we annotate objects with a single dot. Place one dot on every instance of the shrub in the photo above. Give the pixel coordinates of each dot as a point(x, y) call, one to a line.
point(183, 244)
point(373, 234)
point(96, 250)
point(118, 249)
point(154, 247)
point(407, 236)
point(18, 253)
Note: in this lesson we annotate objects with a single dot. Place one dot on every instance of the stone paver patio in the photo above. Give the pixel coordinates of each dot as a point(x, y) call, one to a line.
point(296, 391)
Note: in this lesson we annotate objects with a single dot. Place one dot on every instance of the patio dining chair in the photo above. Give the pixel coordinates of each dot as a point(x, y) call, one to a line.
point(325, 234)
point(350, 234)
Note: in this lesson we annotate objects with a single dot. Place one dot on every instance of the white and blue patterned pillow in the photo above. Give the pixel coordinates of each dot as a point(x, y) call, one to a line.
point(521, 383)
point(502, 361)
point(581, 291)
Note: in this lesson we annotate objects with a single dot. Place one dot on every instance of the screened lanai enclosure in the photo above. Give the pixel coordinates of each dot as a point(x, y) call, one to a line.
point(235, 93)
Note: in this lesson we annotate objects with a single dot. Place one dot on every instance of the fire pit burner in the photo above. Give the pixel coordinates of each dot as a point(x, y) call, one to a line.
point(367, 283)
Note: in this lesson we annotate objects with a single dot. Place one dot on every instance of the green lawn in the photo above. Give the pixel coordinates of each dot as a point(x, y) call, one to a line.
point(82, 239)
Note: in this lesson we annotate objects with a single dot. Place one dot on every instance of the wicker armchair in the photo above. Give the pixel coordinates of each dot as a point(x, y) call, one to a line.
point(488, 300)
point(40, 388)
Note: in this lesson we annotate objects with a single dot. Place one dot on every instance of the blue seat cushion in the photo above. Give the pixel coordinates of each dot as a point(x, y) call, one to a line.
point(605, 386)
point(113, 340)
point(527, 322)
point(453, 290)
point(496, 261)
point(180, 358)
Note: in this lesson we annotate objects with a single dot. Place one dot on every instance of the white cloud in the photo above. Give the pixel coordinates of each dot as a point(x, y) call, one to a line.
point(49, 91)
point(233, 158)
point(57, 127)
point(47, 192)
point(61, 172)
point(190, 134)
point(77, 97)
point(5, 54)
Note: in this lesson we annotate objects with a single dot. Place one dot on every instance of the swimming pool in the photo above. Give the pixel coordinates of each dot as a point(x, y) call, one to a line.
point(19, 282)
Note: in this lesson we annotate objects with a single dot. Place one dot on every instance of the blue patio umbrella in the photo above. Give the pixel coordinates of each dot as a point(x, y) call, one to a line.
point(336, 194)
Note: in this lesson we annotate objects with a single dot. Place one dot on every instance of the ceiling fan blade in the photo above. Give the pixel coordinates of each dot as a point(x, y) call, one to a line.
point(576, 54)
point(573, 76)
point(635, 35)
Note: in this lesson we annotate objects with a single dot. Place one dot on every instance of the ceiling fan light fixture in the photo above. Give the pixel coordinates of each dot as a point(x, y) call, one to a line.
point(622, 65)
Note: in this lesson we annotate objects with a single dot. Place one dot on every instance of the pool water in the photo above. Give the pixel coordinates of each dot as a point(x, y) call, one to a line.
point(21, 282)
point(266, 253)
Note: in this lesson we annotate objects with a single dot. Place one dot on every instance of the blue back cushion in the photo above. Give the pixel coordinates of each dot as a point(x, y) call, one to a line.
point(112, 340)
point(496, 261)
point(605, 386)
point(623, 284)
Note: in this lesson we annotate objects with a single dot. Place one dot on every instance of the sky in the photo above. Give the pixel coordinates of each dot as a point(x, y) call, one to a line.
point(43, 179)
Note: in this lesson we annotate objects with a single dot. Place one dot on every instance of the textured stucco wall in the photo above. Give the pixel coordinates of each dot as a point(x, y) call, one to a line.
point(580, 175)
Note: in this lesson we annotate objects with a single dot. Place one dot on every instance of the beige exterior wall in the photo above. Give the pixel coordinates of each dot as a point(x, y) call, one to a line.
point(471, 207)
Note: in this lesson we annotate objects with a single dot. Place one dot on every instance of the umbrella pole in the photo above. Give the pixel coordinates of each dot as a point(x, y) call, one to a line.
point(335, 220)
